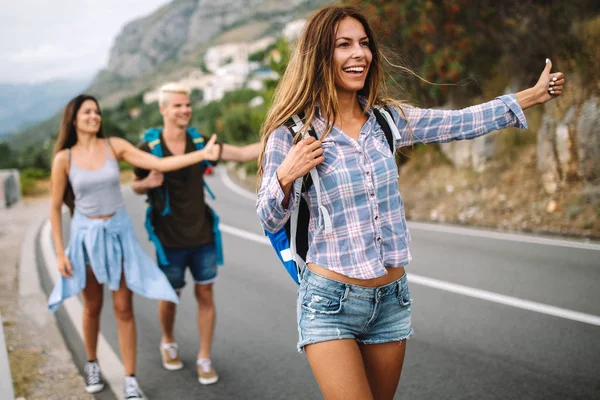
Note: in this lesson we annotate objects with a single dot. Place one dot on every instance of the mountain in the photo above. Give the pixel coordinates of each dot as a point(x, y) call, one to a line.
point(23, 105)
point(167, 43)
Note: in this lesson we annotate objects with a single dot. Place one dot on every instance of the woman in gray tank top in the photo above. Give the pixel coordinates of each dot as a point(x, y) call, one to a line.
point(102, 244)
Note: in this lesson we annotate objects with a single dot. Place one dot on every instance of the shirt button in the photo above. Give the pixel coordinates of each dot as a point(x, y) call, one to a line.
point(379, 239)
point(376, 217)
point(368, 173)
point(372, 194)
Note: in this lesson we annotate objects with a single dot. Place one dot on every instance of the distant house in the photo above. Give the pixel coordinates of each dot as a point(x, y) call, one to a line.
point(229, 69)
point(235, 53)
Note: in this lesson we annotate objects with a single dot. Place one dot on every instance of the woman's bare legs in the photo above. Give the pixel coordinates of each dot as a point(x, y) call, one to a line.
point(123, 307)
point(383, 365)
point(339, 370)
point(92, 305)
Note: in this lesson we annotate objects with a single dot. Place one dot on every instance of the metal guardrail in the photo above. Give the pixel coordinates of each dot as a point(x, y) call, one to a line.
point(6, 384)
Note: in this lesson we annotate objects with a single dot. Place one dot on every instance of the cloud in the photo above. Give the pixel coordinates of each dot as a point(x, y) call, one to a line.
point(49, 39)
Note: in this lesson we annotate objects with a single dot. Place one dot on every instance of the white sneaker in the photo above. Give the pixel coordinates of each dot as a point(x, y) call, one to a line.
point(170, 356)
point(131, 389)
point(206, 373)
point(93, 380)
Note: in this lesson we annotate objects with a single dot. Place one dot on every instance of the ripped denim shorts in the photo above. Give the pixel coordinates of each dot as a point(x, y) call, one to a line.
point(332, 310)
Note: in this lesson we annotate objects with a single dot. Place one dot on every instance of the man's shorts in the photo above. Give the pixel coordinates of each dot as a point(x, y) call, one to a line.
point(202, 262)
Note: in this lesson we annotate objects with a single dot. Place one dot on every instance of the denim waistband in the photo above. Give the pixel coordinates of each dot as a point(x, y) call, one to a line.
point(393, 288)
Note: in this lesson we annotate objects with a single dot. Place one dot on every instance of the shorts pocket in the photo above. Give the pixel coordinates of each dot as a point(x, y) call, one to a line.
point(320, 301)
point(403, 293)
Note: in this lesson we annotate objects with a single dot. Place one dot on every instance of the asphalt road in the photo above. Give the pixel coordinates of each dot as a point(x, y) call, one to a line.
point(484, 313)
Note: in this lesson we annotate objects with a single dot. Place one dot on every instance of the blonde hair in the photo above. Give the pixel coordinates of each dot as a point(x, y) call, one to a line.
point(308, 80)
point(166, 90)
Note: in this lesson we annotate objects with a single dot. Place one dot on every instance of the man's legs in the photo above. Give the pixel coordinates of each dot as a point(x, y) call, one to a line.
point(166, 315)
point(204, 270)
point(178, 261)
point(207, 317)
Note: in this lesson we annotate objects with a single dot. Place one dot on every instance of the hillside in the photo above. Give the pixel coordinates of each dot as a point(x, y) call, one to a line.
point(168, 43)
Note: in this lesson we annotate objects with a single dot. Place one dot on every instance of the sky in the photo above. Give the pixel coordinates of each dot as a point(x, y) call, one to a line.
point(42, 40)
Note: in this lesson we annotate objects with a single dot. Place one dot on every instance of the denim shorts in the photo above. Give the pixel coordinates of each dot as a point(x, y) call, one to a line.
point(202, 262)
point(331, 310)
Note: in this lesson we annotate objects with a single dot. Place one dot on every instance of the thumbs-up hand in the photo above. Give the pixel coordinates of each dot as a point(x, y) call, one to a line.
point(550, 85)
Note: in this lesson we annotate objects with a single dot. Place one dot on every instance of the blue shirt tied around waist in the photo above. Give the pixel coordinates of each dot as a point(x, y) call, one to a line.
point(110, 244)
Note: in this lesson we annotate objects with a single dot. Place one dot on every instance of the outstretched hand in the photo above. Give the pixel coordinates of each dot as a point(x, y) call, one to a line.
point(211, 149)
point(550, 85)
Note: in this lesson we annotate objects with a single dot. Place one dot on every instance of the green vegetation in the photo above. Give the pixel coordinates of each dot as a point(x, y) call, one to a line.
point(29, 177)
point(464, 42)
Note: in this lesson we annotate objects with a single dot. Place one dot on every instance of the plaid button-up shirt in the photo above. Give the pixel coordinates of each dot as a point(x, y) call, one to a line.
point(360, 184)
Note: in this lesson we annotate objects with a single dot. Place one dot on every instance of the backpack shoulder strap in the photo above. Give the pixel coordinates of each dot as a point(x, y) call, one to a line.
point(386, 121)
point(199, 143)
point(383, 123)
point(152, 137)
point(196, 138)
point(294, 125)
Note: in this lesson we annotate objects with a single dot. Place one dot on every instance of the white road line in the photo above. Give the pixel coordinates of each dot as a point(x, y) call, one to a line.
point(233, 187)
point(505, 300)
point(244, 234)
point(503, 236)
point(448, 229)
point(110, 364)
point(460, 289)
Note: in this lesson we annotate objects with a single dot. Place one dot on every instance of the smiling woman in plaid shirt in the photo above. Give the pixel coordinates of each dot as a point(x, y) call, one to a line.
point(354, 306)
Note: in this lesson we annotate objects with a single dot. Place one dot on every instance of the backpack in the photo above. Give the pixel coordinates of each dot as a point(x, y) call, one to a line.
point(291, 241)
point(152, 137)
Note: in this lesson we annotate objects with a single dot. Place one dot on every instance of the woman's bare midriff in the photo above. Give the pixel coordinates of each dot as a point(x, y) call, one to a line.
point(394, 273)
point(104, 217)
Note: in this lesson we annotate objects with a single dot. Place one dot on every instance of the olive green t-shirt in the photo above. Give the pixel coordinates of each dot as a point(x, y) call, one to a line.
point(190, 221)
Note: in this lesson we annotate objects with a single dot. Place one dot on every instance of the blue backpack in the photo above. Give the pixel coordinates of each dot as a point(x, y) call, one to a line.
point(291, 241)
point(152, 137)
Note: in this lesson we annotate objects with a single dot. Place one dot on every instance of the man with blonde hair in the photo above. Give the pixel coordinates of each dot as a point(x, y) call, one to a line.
point(184, 234)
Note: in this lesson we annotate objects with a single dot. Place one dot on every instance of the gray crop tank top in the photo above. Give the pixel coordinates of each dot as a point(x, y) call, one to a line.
point(98, 191)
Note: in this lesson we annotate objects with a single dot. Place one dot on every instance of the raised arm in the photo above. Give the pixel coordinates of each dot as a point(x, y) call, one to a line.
point(240, 153)
point(138, 158)
point(548, 87)
point(59, 180)
point(417, 125)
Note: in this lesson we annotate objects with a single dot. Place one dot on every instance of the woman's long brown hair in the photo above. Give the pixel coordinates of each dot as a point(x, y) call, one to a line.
point(67, 137)
point(308, 80)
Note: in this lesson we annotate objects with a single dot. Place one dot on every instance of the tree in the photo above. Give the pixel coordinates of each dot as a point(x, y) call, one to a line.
point(7, 157)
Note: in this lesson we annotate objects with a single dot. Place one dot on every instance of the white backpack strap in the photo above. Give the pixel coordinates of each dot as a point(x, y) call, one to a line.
point(391, 123)
point(297, 123)
point(297, 188)
point(325, 219)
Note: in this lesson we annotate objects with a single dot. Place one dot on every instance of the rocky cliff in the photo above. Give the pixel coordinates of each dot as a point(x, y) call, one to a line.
point(184, 26)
